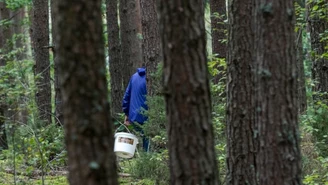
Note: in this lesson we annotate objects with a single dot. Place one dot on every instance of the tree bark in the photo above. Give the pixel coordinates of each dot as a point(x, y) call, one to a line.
point(241, 143)
point(59, 118)
point(130, 27)
point(187, 93)
point(278, 159)
point(218, 27)
point(317, 24)
point(81, 61)
point(301, 89)
point(114, 52)
point(152, 51)
point(40, 41)
point(5, 34)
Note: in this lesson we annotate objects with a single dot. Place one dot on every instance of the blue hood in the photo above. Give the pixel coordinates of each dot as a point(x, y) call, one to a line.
point(134, 100)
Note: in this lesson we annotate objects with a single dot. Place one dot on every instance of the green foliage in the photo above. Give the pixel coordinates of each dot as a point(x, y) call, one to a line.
point(153, 166)
point(16, 4)
point(319, 176)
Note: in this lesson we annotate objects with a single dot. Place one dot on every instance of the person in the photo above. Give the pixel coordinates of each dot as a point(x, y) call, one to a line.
point(134, 102)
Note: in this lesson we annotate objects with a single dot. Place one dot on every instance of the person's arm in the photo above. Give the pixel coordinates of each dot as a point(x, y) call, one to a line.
point(126, 103)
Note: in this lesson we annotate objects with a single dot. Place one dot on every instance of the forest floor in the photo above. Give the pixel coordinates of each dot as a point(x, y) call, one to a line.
point(9, 179)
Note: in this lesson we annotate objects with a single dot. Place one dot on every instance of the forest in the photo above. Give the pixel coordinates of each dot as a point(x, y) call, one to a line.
point(237, 91)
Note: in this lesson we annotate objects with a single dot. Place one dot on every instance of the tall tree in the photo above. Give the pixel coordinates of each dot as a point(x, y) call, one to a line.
point(114, 52)
point(278, 158)
point(59, 118)
point(19, 29)
point(241, 143)
point(151, 43)
point(317, 25)
point(218, 27)
point(301, 89)
point(218, 32)
point(81, 61)
point(187, 93)
point(5, 35)
point(40, 41)
point(130, 27)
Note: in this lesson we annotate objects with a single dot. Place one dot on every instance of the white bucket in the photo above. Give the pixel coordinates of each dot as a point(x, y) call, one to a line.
point(125, 144)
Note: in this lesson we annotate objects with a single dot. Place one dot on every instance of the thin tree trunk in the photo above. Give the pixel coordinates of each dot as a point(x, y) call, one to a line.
point(241, 143)
point(301, 89)
point(317, 24)
point(5, 35)
point(152, 51)
point(19, 27)
point(59, 118)
point(81, 61)
point(187, 93)
point(114, 52)
point(218, 27)
point(130, 27)
point(278, 159)
point(40, 42)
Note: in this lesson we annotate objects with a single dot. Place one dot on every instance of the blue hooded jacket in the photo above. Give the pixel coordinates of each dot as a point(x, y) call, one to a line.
point(134, 100)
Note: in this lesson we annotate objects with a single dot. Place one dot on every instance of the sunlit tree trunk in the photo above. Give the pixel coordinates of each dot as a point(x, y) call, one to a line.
point(278, 158)
point(187, 93)
point(82, 75)
point(39, 31)
point(241, 143)
point(131, 33)
point(152, 51)
point(115, 60)
point(19, 28)
point(59, 118)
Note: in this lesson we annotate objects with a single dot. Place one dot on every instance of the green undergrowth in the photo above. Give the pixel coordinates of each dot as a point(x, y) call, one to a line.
point(9, 179)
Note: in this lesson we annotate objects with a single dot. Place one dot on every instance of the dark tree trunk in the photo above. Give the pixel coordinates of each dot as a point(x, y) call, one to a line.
point(151, 43)
point(187, 93)
point(241, 144)
point(81, 61)
point(278, 158)
point(301, 89)
point(115, 61)
point(40, 42)
point(317, 24)
point(218, 27)
point(130, 27)
point(59, 117)
point(5, 34)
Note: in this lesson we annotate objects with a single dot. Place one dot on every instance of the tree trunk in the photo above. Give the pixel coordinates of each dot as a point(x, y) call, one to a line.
point(152, 51)
point(241, 143)
point(187, 93)
point(81, 61)
point(317, 24)
point(40, 42)
point(301, 89)
point(218, 27)
point(59, 118)
point(278, 159)
point(5, 34)
point(19, 27)
point(114, 52)
point(130, 27)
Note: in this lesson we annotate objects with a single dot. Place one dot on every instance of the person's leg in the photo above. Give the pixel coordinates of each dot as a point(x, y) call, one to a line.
point(145, 139)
